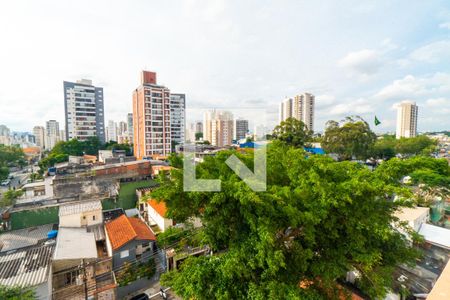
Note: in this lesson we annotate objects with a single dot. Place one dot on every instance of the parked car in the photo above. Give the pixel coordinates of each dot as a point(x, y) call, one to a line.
point(5, 182)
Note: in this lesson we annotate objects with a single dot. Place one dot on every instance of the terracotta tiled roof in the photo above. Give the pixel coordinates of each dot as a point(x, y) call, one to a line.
point(124, 229)
point(159, 207)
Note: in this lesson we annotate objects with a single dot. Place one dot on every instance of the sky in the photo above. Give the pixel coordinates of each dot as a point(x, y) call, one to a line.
point(356, 57)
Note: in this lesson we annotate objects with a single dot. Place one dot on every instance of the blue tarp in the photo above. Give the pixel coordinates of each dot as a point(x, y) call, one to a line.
point(52, 234)
point(314, 150)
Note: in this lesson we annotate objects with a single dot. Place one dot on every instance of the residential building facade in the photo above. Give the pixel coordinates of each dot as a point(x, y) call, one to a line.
point(218, 127)
point(111, 131)
point(51, 134)
point(240, 129)
point(406, 119)
point(39, 136)
point(84, 110)
point(151, 118)
point(177, 118)
point(130, 126)
point(300, 107)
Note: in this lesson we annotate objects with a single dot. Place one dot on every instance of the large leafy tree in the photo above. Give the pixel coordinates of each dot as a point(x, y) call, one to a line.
point(349, 138)
point(317, 220)
point(10, 156)
point(293, 132)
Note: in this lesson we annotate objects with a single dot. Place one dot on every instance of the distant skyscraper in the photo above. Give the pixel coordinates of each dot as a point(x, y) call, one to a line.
point(407, 119)
point(5, 135)
point(84, 110)
point(177, 118)
point(240, 129)
point(39, 136)
point(51, 134)
point(122, 128)
point(301, 107)
point(285, 109)
point(218, 127)
point(62, 135)
point(198, 127)
point(130, 126)
point(151, 118)
point(111, 131)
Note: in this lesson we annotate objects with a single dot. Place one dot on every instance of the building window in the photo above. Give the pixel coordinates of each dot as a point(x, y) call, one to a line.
point(124, 254)
point(93, 218)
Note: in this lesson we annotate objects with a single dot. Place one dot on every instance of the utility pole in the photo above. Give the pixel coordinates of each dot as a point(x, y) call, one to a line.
point(84, 280)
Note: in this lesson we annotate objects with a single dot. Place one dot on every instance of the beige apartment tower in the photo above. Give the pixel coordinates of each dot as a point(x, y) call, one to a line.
point(151, 118)
point(218, 127)
point(406, 119)
point(300, 107)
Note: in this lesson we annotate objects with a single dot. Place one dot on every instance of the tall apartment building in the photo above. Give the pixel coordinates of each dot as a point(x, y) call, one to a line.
point(300, 107)
point(406, 119)
point(130, 126)
point(177, 118)
point(218, 127)
point(39, 136)
point(151, 118)
point(111, 131)
point(84, 110)
point(240, 129)
point(62, 135)
point(51, 134)
point(122, 128)
point(5, 133)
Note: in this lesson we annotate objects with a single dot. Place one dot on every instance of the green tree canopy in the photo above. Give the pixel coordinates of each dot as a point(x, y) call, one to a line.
point(16, 293)
point(317, 220)
point(350, 138)
point(10, 156)
point(292, 132)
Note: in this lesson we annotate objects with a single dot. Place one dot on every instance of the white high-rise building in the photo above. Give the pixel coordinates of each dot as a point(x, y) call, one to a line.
point(177, 118)
point(5, 133)
point(218, 127)
point(39, 136)
point(406, 119)
point(285, 109)
point(240, 129)
point(51, 134)
point(84, 110)
point(300, 107)
point(111, 131)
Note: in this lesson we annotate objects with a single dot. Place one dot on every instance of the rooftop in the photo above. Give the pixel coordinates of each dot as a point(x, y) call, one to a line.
point(441, 289)
point(411, 213)
point(28, 267)
point(125, 229)
point(26, 237)
point(436, 235)
point(76, 208)
point(159, 207)
point(75, 243)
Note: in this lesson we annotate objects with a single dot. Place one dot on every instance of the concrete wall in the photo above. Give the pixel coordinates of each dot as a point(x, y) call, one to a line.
point(131, 247)
point(163, 223)
point(83, 219)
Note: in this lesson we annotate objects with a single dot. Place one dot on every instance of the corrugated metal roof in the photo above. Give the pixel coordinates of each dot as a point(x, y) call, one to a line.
point(28, 267)
point(436, 235)
point(79, 207)
point(99, 232)
point(21, 238)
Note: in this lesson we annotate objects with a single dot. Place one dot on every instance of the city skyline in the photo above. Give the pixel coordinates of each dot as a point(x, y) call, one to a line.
point(370, 68)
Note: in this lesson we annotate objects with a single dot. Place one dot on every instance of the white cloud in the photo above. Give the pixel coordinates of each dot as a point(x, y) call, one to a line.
point(439, 105)
point(365, 62)
point(415, 87)
point(433, 52)
point(445, 25)
point(358, 106)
